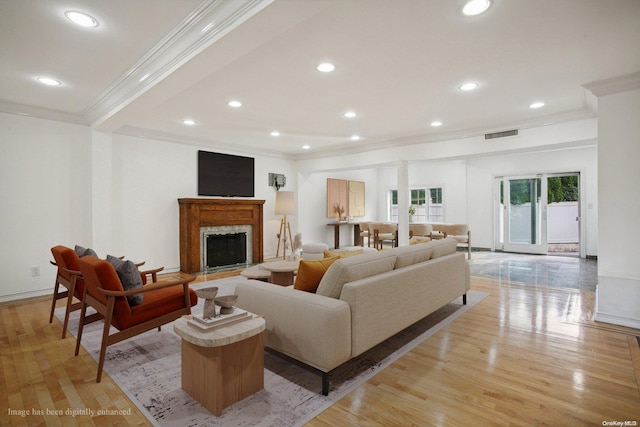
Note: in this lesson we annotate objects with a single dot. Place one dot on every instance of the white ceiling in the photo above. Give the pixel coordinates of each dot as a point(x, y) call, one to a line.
point(399, 64)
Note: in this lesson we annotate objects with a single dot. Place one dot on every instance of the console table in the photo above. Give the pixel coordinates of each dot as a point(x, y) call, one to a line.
point(336, 232)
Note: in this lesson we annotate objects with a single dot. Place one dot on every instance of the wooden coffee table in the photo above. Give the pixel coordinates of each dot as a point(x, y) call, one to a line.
point(223, 366)
point(282, 272)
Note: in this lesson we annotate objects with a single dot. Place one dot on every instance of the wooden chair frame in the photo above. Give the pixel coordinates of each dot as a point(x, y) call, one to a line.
point(70, 292)
point(106, 310)
point(377, 241)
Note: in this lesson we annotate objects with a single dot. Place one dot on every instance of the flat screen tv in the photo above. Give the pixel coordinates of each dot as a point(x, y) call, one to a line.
point(225, 175)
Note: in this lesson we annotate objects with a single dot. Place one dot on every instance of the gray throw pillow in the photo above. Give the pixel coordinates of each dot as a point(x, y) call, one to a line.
point(84, 251)
point(129, 277)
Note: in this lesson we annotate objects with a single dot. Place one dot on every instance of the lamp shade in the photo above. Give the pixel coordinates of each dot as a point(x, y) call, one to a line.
point(285, 203)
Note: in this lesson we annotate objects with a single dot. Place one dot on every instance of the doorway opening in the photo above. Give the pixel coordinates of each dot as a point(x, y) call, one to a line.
point(538, 214)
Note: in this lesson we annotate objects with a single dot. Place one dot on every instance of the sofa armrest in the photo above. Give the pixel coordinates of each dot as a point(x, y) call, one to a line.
point(313, 329)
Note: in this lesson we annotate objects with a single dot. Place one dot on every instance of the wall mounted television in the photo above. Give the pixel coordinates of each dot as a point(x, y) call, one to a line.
point(225, 175)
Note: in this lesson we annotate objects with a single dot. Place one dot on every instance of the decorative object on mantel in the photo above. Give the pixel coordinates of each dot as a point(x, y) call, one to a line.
point(285, 205)
point(208, 294)
point(339, 210)
point(226, 303)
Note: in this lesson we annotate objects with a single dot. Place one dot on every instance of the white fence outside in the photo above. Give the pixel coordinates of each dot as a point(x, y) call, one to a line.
point(562, 226)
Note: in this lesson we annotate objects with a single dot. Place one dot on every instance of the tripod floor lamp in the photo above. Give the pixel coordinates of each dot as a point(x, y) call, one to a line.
point(285, 205)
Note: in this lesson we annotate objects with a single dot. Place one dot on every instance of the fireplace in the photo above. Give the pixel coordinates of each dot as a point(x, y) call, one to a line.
point(225, 246)
point(220, 216)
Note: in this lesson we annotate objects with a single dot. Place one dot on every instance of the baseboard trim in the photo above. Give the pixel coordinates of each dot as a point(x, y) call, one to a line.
point(617, 320)
point(25, 296)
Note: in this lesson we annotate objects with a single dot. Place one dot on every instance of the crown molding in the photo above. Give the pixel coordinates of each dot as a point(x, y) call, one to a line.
point(138, 132)
point(42, 113)
point(614, 85)
point(567, 116)
point(209, 22)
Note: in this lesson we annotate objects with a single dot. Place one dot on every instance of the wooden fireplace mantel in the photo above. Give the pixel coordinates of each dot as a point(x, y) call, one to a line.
point(203, 212)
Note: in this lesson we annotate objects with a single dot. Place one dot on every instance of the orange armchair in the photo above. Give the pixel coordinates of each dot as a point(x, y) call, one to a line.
point(163, 302)
point(68, 275)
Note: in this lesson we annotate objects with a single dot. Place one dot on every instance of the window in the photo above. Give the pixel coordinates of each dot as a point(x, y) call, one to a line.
point(426, 202)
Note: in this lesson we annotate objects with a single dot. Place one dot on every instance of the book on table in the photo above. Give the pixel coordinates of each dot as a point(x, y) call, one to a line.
point(220, 320)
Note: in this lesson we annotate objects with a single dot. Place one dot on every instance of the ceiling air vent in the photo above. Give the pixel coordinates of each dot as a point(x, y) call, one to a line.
point(501, 134)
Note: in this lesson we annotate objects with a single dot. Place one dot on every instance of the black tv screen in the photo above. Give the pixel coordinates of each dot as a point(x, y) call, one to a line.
point(225, 175)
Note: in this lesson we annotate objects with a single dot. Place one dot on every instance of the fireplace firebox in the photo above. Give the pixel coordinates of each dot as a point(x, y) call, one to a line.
point(225, 246)
point(222, 250)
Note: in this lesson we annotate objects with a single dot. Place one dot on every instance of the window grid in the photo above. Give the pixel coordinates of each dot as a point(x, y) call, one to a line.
point(427, 209)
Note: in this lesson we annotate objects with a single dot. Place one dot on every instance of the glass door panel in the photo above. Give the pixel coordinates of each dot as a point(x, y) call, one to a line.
point(525, 219)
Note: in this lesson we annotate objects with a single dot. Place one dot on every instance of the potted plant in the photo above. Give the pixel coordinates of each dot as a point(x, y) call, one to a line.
point(412, 212)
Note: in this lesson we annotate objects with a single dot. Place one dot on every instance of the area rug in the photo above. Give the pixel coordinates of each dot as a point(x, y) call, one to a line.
point(147, 368)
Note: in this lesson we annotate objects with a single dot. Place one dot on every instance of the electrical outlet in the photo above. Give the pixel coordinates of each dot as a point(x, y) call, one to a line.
point(35, 271)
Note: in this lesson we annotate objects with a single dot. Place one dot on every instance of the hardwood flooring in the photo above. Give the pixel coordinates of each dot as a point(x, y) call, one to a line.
point(522, 356)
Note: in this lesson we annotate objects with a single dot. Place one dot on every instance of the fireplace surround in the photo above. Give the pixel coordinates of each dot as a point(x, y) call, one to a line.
point(198, 213)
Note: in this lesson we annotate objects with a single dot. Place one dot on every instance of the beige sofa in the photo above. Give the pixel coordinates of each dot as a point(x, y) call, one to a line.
point(361, 301)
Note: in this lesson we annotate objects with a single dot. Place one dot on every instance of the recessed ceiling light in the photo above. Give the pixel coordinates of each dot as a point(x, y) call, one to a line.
point(275, 133)
point(475, 7)
point(350, 114)
point(356, 137)
point(326, 67)
point(48, 81)
point(189, 122)
point(469, 86)
point(306, 147)
point(235, 104)
point(536, 105)
point(435, 124)
point(81, 18)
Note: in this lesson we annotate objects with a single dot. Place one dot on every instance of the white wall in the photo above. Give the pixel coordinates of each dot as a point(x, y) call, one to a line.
point(467, 183)
point(312, 217)
point(45, 199)
point(65, 184)
point(618, 291)
point(148, 178)
point(481, 174)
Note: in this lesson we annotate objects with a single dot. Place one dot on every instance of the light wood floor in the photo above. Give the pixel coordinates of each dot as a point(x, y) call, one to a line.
point(522, 356)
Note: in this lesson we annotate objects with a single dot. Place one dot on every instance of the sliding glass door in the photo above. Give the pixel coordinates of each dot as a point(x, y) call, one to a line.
point(524, 202)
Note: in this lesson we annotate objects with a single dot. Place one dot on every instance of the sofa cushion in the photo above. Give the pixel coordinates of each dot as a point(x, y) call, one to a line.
point(129, 277)
point(310, 273)
point(409, 255)
point(343, 254)
point(354, 268)
point(444, 247)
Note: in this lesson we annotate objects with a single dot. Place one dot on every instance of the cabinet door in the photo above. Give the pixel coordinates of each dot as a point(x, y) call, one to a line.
point(337, 198)
point(356, 198)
